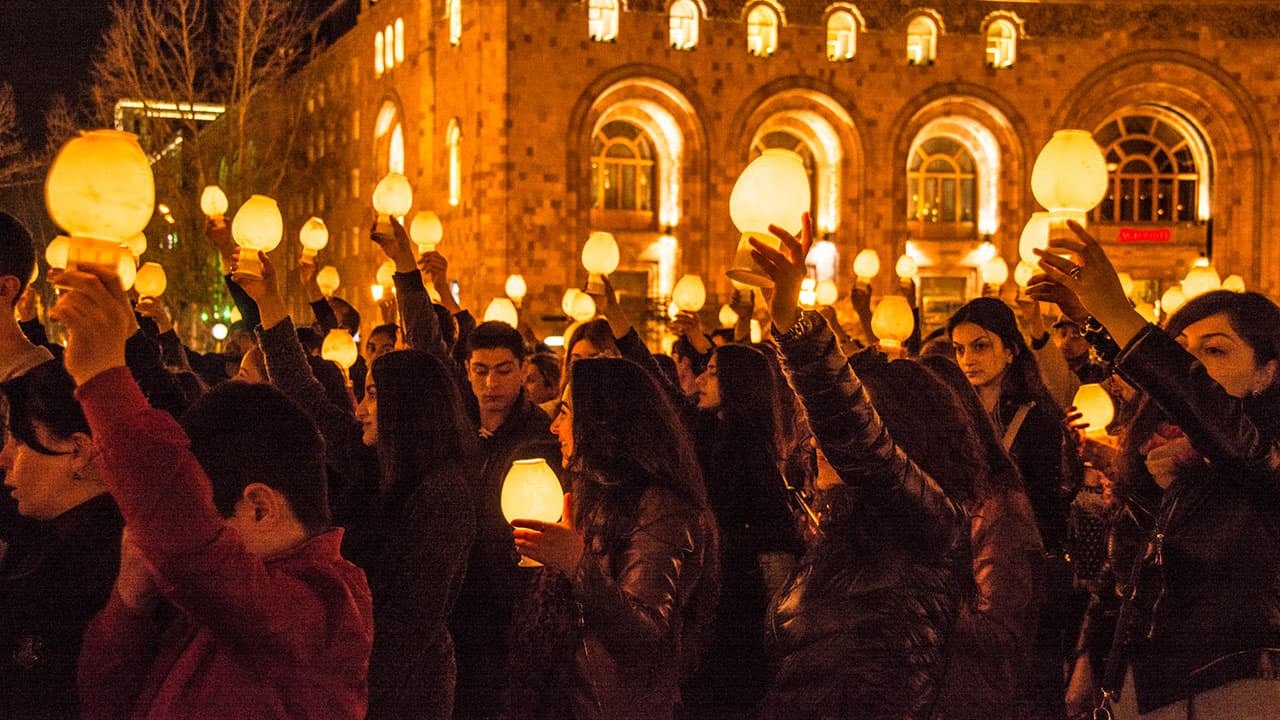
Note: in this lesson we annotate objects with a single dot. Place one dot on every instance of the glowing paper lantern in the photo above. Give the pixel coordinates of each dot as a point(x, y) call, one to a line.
point(386, 274)
point(327, 280)
point(994, 271)
point(1096, 408)
point(426, 231)
point(1171, 300)
point(313, 236)
point(340, 347)
point(1069, 178)
point(377, 291)
point(1126, 283)
point(584, 307)
point(566, 301)
point(137, 245)
point(728, 316)
point(772, 190)
point(531, 491)
point(866, 265)
point(1035, 236)
point(516, 288)
point(893, 321)
point(56, 253)
point(150, 280)
point(1022, 274)
point(600, 257)
point(213, 203)
point(689, 294)
point(673, 310)
point(1200, 280)
point(906, 267)
point(827, 293)
point(392, 196)
point(257, 226)
point(808, 292)
point(1234, 283)
point(502, 310)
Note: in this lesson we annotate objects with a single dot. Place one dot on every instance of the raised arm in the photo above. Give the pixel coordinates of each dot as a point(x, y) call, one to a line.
point(421, 327)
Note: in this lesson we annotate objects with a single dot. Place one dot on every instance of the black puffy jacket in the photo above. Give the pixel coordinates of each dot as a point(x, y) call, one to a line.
point(860, 629)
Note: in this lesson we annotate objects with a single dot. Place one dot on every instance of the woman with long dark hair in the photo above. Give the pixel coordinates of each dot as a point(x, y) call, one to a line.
point(860, 630)
point(739, 447)
point(637, 545)
point(1196, 553)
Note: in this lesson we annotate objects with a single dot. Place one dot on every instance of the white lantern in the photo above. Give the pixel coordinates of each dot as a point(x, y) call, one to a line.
point(314, 236)
point(1234, 283)
point(584, 307)
point(256, 227)
point(213, 203)
point(377, 292)
point(150, 280)
point(386, 274)
point(728, 316)
point(893, 321)
point(1200, 280)
point(1035, 236)
point(1069, 178)
point(772, 190)
point(566, 301)
point(689, 294)
point(1022, 274)
point(340, 347)
point(327, 280)
point(516, 288)
point(392, 196)
point(56, 252)
point(137, 245)
point(827, 293)
point(866, 265)
point(906, 267)
point(531, 491)
point(502, 310)
point(600, 257)
point(426, 231)
point(808, 292)
point(994, 271)
point(1171, 300)
point(1096, 408)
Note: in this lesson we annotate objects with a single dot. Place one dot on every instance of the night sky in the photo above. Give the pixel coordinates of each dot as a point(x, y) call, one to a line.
point(45, 48)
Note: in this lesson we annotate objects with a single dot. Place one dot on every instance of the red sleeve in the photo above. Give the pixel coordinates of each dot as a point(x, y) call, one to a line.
point(119, 648)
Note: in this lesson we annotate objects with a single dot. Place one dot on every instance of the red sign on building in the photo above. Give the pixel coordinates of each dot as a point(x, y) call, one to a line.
point(1144, 236)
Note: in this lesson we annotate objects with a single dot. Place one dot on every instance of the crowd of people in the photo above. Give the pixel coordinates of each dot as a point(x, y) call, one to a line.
point(812, 525)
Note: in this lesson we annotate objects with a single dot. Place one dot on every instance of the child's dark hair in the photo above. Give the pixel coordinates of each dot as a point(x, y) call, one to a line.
point(17, 251)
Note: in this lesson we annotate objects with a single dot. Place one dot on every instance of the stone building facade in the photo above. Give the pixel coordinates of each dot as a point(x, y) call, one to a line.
point(527, 124)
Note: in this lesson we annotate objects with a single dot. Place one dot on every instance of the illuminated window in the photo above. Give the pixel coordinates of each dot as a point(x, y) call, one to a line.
point(399, 32)
point(1154, 169)
point(784, 140)
point(942, 183)
point(762, 31)
point(622, 168)
point(602, 20)
point(389, 47)
point(842, 36)
point(454, 9)
point(922, 40)
point(388, 139)
point(453, 140)
point(1002, 44)
point(684, 25)
point(378, 54)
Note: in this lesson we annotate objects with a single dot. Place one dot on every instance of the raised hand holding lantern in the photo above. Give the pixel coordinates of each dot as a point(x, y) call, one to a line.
point(1069, 178)
point(328, 280)
point(393, 196)
point(689, 294)
point(1097, 410)
point(340, 347)
point(426, 231)
point(101, 191)
point(314, 236)
point(256, 227)
point(600, 257)
point(866, 265)
point(772, 190)
point(893, 321)
point(151, 280)
point(531, 491)
point(213, 203)
point(516, 289)
point(906, 268)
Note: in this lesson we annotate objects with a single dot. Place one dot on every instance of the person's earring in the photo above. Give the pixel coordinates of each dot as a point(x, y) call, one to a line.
point(75, 475)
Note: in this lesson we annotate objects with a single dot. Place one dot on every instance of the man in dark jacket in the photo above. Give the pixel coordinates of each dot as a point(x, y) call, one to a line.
point(511, 428)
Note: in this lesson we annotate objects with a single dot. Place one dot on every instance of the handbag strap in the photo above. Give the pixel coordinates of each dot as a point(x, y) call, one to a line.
point(1011, 431)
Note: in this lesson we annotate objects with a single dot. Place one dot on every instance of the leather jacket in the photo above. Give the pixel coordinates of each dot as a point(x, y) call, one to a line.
point(1207, 602)
point(643, 606)
point(859, 630)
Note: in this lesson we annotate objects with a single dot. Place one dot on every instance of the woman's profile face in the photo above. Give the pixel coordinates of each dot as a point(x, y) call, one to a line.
point(981, 354)
point(1228, 359)
point(708, 385)
point(43, 484)
point(562, 428)
point(367, 413)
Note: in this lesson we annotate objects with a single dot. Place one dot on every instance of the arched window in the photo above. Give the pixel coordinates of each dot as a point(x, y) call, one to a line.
point(842, 36)
point(1002, 43)
point(1155, 166)
point(454, 10)
point(942, 183)
point(389, 47)
point(762, 31)
point(622, 168)
point(684, 25)
point(378, 55)
point(922, 40)
point(602, 20)
point(399, 31)
point(453, 141)
point(784, 140)
point(388, 139)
